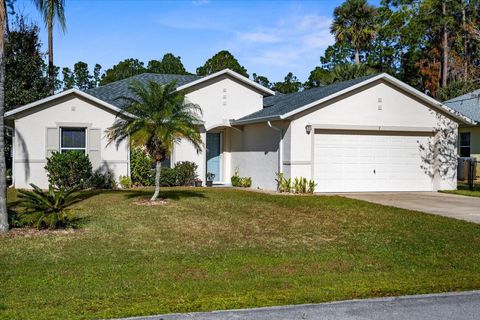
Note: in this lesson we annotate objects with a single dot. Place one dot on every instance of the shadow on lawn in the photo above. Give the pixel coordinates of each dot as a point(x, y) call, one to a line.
point(172, 194)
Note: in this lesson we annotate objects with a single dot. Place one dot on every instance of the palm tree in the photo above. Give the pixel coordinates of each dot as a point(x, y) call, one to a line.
point(3, 182)
point(160, 117)
point(354, 24)
point(348, 71)
point(52, 10)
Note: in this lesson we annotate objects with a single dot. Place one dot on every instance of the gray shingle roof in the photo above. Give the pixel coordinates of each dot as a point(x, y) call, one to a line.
point(467, 105)
point(281, 104)
point(113, 91)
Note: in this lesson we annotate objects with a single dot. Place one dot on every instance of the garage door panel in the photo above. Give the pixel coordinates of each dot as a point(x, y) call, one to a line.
point(345, 162)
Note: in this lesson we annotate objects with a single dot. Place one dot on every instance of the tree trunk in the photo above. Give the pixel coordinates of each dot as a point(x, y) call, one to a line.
point(444, 48)
point(465, 42)
point(357, 56)
point(157, 180)
point(3, 182)
point(51, 73)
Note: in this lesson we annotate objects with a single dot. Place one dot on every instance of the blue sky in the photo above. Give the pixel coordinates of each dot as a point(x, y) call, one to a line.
point(269, 38)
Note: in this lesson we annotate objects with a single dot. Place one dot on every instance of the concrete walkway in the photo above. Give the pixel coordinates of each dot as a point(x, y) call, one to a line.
point(454, 306)
point(444, 204)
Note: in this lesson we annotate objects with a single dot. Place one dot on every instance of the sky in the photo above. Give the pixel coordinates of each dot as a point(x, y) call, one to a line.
point(270, 38)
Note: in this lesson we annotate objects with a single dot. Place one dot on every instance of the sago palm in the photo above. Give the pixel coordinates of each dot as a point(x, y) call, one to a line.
point(354, 23)
point(161, 118)
point(51, 11)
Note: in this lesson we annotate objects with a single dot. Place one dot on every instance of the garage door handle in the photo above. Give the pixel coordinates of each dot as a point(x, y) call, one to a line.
point(374, 171)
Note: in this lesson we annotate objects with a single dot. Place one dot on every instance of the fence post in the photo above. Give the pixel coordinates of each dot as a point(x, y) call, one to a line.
point(471, 173)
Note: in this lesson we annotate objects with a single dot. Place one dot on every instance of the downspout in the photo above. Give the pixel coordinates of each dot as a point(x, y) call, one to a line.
point(280, 146)
point(12, 185)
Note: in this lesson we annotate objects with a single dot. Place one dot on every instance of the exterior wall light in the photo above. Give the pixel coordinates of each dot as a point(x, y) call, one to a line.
point(308, 128)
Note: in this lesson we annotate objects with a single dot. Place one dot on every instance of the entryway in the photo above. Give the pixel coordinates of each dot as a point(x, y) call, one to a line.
point(214, 155)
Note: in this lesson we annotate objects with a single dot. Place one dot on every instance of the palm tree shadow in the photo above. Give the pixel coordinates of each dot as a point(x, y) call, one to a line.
point(171, 194)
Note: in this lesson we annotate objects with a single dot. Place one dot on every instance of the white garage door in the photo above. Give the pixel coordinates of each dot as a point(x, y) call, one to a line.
point(347, 161)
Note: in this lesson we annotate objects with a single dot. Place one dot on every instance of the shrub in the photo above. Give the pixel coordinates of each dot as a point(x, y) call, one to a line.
point(297, 185)
point(48, 209)
point(142, 168)
point(168, 177)
point(102, 180)
point(186, 173)
point(125, 182)
point(69, 169)
point(243, 182)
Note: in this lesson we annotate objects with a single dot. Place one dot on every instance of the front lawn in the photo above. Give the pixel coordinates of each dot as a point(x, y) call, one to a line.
point(214, 248)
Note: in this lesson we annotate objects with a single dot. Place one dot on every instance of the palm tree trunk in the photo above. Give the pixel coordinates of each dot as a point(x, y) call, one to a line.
point(444, 48)
point(3, 183)
point(357, 56)
point(157, 181)
point(51, 75)
point(465, 42)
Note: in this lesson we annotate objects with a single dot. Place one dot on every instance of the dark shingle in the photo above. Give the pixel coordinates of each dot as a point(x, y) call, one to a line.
point(281, 104)
point(467, 105)
point(113, 91)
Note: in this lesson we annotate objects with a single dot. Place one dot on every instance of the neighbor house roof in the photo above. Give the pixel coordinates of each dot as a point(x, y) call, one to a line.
point(284, 106)
point(113, 92)
point(467, 105)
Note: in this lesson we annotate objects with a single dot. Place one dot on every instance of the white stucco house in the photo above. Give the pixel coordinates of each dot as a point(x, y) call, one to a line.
point(369, 134)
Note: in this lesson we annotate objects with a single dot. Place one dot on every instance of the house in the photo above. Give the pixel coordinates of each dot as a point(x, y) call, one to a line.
point(468, 105)
point(369, 134)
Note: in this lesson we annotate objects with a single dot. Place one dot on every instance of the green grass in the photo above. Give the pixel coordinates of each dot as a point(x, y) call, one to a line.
point(463, 190)
point(218, 248)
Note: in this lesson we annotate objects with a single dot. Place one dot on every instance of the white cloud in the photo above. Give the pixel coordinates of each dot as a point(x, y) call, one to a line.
point(289, 43)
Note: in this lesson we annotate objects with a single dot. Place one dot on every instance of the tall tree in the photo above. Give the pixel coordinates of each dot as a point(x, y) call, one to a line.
point(3, 182)
point(26, 77)
point(68, 78)
point(83, 79)
point(354, 23)
point(289, 85)
point(169, 64)
point(262, 80)
point(52, 10)
point(123, 69)
point(162, 119)
point(221, 60)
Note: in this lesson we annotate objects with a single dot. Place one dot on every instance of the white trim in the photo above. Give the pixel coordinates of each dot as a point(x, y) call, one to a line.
point(10, 114)
point(232, 74)
point(371, 128)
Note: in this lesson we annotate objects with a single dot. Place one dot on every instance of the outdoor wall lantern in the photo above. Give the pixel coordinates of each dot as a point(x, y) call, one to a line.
point(308, 128)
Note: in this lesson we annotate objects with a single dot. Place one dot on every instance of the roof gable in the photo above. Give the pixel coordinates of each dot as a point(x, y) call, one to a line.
point(17, 112)
point(282, 107)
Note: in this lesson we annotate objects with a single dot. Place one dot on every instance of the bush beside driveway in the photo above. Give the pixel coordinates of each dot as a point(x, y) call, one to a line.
point(213, 248)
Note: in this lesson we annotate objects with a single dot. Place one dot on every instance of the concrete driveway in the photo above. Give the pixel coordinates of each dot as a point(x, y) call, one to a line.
point(444, 204)
point(448, 306)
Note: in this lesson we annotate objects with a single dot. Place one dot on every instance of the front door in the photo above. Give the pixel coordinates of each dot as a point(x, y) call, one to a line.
point(214, 151)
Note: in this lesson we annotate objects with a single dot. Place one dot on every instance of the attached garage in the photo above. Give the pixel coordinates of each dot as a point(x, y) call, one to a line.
point(355, 161)
point(369, 134)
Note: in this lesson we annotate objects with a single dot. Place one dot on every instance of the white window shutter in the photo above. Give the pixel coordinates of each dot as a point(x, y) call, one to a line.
point(94, 147)
point(53, 141)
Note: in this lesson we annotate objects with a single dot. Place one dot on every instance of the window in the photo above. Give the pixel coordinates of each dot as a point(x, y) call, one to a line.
point(464, 144)
point(73, 139)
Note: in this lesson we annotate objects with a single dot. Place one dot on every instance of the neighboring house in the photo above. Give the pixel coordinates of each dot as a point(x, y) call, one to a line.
point(468, 105)
point(369, 134)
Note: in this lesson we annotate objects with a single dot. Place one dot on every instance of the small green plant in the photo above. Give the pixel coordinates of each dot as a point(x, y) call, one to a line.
point(69, 169)
point(125, 182)
point(210, 176)
point(243, 182)
point(297, 185)
point(142, 168)
point(48, 209)
point(186, 173)
point(102, 180)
